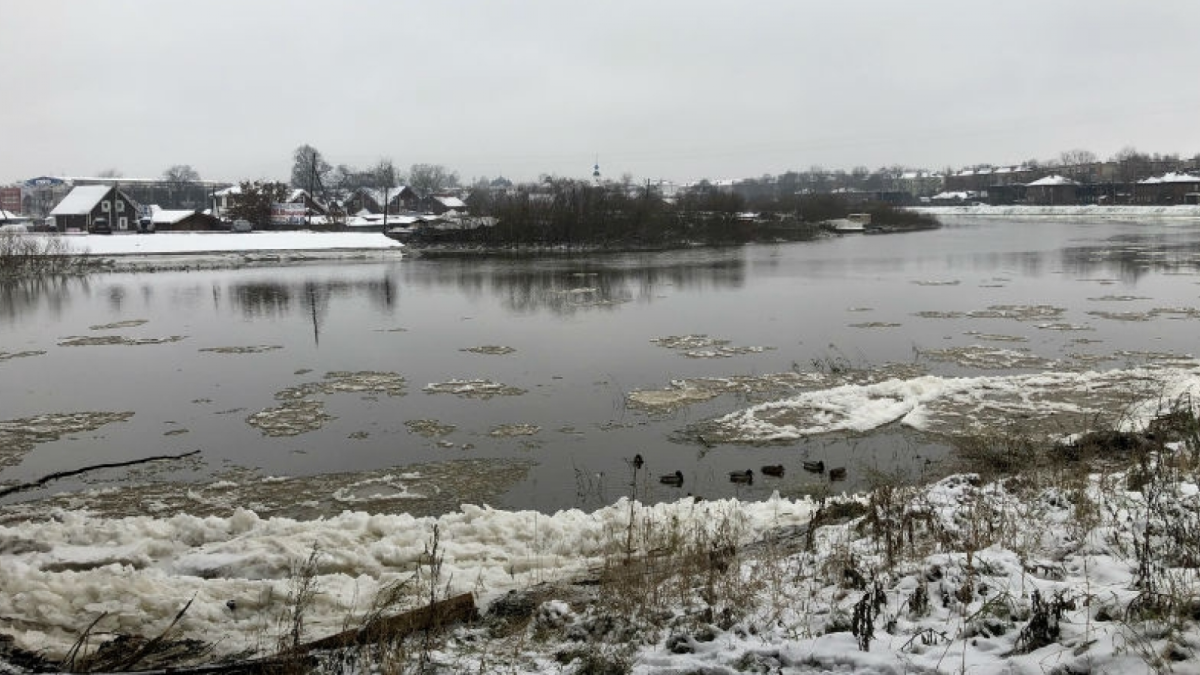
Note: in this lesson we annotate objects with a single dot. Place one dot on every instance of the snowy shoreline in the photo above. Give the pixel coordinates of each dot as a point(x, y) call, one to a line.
point(1189, 211)
point(164, 243)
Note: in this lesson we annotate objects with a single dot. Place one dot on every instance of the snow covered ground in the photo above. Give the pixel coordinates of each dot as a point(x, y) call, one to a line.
point(220, 242)
point(1090, 211)
point(1062, 572)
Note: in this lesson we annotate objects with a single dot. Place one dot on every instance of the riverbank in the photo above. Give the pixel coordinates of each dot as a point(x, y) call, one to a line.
point(1087, 211)
point(167, 251)
point(1083, 560)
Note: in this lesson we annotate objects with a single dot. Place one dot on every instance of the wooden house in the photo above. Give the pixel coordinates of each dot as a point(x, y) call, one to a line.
point(1053, 189)
point(184, 220)
point(86, 204)
point(439, 204)
point(312, 206)
point(1170, 188)
point(397, 199)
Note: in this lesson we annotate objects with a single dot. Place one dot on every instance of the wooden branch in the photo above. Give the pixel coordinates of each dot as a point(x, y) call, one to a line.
point(93, 467)
point(453, 610)
point(460, 608)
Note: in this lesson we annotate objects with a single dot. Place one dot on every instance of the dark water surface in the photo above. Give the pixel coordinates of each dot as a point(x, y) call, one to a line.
point(582, 331)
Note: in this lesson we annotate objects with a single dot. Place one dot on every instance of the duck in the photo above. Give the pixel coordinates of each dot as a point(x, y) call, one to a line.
point(838, 473)
point(775, 470)
point(672, 479)
point(746, 477)
point(815, 467)
point(638, 462)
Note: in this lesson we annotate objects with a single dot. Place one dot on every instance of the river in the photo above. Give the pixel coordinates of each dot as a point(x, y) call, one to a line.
point(531, 383)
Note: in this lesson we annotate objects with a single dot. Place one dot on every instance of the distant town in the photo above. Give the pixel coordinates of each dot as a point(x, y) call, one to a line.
point(325, 196)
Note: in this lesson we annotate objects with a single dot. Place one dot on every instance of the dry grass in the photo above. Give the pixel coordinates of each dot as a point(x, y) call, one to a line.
point(24, 256)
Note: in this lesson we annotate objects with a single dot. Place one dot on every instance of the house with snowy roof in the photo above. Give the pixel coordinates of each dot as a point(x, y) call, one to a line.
point(312, 205)
point(440, 204)
point(87, 205)
point(181, 220)
point(1169, 188)
point(1052, 189)
point(397, 199)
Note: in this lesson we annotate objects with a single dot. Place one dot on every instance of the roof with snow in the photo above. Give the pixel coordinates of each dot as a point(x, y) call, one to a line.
point(1054, 179)
point(170, 217)
point(378, 196)
point(81, 200)
point(1170, 178)
point(451, 202)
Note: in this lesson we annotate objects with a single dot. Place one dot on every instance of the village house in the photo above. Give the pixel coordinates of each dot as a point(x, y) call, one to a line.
point(1053, 189)
point(312, 206)
point(439, 204)
point(398, 199)
point(87, 207)
point(1170, 188)
point(180, 220)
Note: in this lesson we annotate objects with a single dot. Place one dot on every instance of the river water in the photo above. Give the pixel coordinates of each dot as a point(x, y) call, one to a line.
point(422, 383)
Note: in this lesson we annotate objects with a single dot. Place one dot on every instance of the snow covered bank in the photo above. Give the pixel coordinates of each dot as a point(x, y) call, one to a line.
point(59, 574)
point(217, 242)
point(1088, 211)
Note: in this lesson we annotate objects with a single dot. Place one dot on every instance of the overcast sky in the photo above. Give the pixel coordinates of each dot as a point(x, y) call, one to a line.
point(658, 89)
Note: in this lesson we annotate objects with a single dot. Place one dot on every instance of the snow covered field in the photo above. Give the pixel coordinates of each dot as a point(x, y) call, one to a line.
point(221, 242)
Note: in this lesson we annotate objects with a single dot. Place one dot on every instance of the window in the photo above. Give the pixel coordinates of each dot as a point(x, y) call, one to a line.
point(122, 222)
point(120, 206)
point(104, 206)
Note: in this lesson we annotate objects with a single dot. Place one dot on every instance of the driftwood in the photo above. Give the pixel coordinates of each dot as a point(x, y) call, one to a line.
point(93, 467)
point(460, 608)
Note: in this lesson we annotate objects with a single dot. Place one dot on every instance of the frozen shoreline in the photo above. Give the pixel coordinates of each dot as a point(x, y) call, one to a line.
point(166, 243)
point(1089, 211)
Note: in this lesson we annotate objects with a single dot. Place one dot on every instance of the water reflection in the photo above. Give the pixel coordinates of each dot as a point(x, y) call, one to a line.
point(1133, 256)
point(565, 286)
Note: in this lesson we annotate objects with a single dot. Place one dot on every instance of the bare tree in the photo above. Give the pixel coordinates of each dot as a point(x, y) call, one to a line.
point(385, 176)
point(1077, 163)
point(110, 173)
point(309, 170)
point(181, 174)
point(1132, 165)
point(429, 178)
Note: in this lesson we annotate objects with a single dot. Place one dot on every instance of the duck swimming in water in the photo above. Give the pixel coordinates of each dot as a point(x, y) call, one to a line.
point(775, 470)
point(814, 467)
point(838, 473)
point(746, 477)
point(672, 479)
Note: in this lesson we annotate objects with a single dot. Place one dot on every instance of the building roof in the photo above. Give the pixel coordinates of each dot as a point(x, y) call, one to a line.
point(377, 194)
point(81, 200)
point(170, 217)
point(1054, 179)
point(1170, 178)
point(451, 202)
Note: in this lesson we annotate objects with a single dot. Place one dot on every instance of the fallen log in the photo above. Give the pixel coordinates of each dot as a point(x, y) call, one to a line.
point(459, 609)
